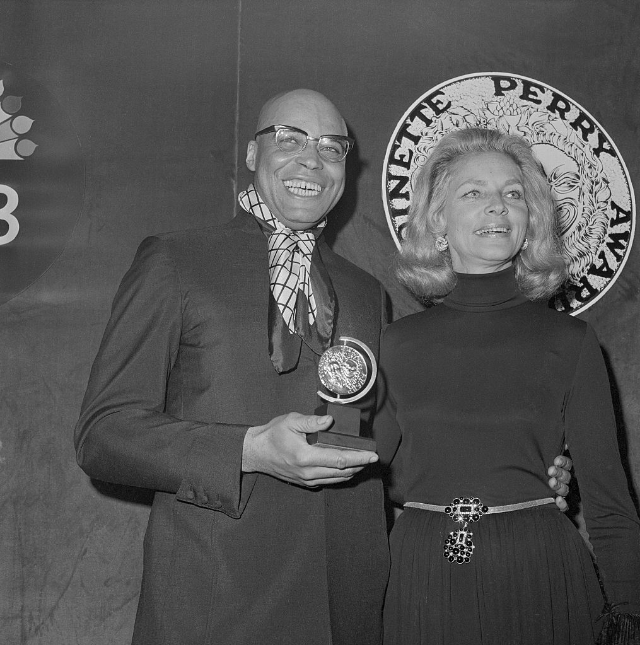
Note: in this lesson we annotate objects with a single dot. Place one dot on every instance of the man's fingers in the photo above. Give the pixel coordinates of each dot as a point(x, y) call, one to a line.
point(351, 458)
point(339, 459)
point(314, 477)
point(560, 474)
point(561, 503)
point(318, 483)
point(280, 449)
point(293, 460)
point(326, 466)
point(563, 462)
point(310, 423)
point(560, 487)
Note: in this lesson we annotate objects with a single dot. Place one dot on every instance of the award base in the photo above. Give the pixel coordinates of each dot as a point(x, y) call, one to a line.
point(345, 431)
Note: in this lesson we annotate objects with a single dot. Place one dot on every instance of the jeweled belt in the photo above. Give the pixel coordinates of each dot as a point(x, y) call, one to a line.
point(459, 546)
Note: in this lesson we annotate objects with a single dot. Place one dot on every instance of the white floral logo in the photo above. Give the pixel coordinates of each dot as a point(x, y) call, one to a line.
point(42, 180)
point(588, 178)
point(13, 127)
point(15, 148)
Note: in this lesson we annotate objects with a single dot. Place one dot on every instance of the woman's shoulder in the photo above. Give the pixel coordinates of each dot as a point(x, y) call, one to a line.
point(416, 322)
point(559, 319)
point(557, 328)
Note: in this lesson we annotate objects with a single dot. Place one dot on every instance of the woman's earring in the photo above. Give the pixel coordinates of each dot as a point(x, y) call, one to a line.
point(525, 244)
point(441, 243)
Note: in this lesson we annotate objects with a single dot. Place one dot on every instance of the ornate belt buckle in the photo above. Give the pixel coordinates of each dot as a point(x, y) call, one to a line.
point(459, 546)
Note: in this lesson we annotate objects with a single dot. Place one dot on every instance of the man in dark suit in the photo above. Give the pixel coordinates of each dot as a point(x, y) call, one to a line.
point(204, 388)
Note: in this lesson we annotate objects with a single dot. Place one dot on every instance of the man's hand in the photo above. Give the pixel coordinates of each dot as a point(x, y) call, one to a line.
point(560, 478)
point(280, 449)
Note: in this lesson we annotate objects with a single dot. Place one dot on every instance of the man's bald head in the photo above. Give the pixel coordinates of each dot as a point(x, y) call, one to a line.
point(304, 101)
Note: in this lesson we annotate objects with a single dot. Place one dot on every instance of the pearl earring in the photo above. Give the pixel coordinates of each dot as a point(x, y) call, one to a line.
point(441, 243)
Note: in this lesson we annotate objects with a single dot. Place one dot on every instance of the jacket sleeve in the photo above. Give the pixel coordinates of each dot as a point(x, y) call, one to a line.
point(610, 516)
point(124, 434)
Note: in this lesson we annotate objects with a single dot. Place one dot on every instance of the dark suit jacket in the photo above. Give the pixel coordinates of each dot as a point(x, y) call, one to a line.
point(182, 372)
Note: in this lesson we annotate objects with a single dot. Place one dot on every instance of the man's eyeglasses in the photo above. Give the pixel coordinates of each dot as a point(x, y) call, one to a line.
point(331, 147)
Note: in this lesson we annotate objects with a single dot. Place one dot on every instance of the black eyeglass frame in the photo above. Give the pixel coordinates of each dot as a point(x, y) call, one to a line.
point(275, 128)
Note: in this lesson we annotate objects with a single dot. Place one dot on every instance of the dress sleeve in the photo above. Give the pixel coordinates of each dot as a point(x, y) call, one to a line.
point(124, 435)
point(610, 516)
point(386, 430)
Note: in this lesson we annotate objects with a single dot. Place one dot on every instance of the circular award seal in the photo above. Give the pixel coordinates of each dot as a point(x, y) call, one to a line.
point(348, 370)
point(588, 178)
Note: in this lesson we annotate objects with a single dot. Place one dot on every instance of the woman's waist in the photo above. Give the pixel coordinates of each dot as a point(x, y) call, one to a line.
point(492, 488)
point(471, 509)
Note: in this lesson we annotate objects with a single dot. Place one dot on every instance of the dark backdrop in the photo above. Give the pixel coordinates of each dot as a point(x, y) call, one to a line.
point(159, 99)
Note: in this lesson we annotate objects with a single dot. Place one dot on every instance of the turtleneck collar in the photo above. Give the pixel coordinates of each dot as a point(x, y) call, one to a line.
point(485, 291)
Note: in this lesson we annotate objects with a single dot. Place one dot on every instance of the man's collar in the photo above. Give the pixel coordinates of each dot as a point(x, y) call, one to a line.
point(252, 203)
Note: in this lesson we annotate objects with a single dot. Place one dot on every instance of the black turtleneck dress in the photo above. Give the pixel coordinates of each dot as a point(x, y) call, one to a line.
point(480, 394)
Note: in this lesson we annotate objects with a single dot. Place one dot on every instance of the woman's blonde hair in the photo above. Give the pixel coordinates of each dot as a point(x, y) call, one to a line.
point(427, 272)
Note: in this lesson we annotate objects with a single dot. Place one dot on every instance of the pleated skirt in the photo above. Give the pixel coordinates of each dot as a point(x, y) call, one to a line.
point(530, 581)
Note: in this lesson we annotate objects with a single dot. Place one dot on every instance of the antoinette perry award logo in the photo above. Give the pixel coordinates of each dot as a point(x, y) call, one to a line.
point(588, 178)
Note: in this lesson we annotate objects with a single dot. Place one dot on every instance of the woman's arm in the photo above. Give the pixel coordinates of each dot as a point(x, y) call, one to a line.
point(611, 519)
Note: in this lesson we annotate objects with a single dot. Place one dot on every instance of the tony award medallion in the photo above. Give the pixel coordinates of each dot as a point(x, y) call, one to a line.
point(347, 371)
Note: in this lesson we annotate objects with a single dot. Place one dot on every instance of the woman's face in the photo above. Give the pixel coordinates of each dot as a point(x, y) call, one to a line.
point(485, 213)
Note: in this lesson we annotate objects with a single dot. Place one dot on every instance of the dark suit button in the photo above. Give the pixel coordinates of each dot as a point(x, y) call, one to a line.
point(191, 494)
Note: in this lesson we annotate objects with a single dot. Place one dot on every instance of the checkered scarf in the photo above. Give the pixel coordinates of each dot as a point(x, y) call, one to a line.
point(289, 259)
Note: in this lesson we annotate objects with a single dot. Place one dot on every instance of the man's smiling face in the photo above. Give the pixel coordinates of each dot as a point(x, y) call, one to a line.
point(299, 188)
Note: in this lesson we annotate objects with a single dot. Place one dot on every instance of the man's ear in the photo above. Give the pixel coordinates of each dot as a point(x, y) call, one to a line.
point(252, 148)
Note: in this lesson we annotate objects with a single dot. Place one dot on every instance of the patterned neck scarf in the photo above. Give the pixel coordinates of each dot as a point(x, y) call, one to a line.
point(289, 260)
